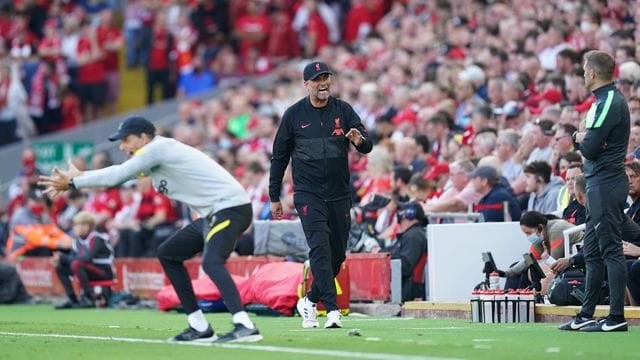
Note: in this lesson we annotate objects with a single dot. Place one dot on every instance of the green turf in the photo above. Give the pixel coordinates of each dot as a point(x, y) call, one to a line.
point(381, 338)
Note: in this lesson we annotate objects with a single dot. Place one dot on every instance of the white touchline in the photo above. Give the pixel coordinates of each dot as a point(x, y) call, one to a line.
point(281, 349)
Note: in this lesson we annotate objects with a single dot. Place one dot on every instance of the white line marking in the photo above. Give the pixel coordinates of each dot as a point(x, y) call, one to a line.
point(317, 352)
point(436, 328)
point(384, 319)
point(482, 347)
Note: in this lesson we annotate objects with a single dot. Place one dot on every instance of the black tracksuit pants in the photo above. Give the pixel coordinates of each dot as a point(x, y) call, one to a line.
point(214, 236)
point(326, 226)
point(603, 245)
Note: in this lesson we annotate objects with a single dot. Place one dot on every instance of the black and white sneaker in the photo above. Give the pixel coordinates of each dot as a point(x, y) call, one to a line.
point(606, 325)
point(577, 323)
point(240, 333)
point(69, 304)
point(192, 335)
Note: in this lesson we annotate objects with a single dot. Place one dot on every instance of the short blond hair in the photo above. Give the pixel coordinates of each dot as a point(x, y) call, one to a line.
point(84, 217)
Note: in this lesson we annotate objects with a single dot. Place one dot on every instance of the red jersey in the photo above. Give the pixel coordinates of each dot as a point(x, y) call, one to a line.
point(159, 56)
point(252, 25)
point(107, 201)
point(357, 16)
point(319, 29)
point(93, 72)
point(50, 43)
point(106, 35)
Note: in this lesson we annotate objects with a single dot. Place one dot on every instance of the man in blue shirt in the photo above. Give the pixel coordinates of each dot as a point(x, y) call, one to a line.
point(486, 181)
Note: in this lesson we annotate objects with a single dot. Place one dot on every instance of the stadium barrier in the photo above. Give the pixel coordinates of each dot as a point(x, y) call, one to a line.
point(455, 263)
point(369, 274)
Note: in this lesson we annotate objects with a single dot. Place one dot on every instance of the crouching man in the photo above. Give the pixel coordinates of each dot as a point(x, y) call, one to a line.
point(89, 259)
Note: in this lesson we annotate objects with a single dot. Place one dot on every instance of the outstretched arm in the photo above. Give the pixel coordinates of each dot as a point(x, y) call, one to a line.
point(59, 181)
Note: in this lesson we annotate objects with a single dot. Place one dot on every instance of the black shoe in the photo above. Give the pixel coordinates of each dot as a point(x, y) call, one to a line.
point(606, 325)
point(86, 302)
point(67, 305)
point(191, 334)
point(577, 323)
point(240, 333)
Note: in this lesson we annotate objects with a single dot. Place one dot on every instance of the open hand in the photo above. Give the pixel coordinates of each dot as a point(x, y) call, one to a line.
point(58, 182)
point(354, 136)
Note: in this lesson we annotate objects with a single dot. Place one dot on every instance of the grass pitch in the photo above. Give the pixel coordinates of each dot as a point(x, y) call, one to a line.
point(39, 332)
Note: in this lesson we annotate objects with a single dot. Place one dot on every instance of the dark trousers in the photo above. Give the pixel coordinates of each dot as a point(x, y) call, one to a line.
point(83, 271)
point(214, 236)
point(326, 226)
point(633, 281)
point(603, 245)
point(155, 77)
point(8, 132)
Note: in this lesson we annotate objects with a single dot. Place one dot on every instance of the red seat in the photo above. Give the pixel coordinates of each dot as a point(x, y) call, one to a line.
point(109, 283)
point(102, 291)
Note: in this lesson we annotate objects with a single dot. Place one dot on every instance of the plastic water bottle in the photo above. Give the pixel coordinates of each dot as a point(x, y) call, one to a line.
point(494, 281)
point(475, 306)
point(526, 310)
point(487, 300)
point(512, 306)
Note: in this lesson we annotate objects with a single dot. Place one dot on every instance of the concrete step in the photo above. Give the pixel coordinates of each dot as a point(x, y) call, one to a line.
point(544, 312)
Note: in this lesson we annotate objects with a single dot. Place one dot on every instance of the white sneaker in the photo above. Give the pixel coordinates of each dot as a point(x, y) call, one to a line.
point(333, 320)
point(307, 310)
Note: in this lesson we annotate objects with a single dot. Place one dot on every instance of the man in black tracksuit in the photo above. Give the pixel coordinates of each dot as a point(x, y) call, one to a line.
point(604, 145)
point(410, 247)
point(315, 133)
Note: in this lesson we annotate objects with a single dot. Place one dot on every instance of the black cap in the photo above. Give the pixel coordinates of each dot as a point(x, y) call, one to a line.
point(486, 172)
point(315, 69)
point(133, 125)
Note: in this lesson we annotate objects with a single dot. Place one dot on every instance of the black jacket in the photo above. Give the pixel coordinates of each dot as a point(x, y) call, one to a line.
point(605, 143)
point(314, 138)
point(410, 246)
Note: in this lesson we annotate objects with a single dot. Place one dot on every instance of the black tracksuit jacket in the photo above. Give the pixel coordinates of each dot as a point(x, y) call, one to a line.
point(605, 144)
point(314, 138)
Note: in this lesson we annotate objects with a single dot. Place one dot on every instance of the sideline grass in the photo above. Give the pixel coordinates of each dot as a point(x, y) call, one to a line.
point(381, 338)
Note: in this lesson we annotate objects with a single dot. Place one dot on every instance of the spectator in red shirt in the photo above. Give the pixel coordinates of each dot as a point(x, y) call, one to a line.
point(359, 22)
point(45, 99)
point(92, 75)
point(158, 67)
point(111, 40)
point(252, 28)
point(283, 42)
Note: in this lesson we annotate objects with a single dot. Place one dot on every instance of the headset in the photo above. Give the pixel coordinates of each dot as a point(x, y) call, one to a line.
point(411, 211)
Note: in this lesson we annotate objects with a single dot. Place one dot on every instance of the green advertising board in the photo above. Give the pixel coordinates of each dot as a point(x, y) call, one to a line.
point(50, 154)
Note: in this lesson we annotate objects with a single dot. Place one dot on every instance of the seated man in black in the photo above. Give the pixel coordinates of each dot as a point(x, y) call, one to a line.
point(410, 247)
point(90, 259)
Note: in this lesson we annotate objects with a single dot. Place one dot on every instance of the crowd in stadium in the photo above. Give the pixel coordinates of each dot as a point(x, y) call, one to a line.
point(443, 87)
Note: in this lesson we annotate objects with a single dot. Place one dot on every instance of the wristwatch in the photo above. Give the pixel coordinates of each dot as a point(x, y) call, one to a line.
point(71, 185)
